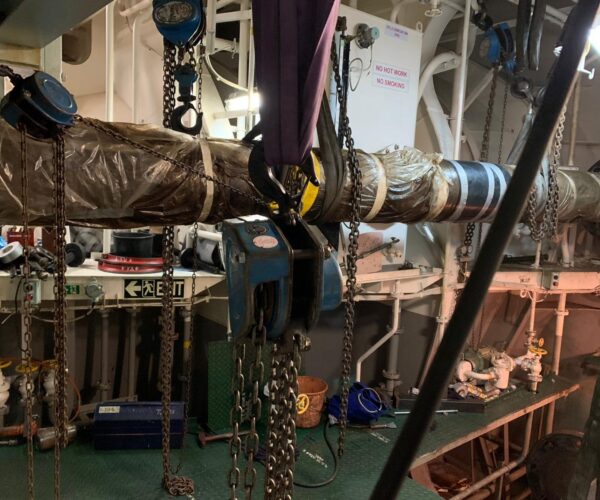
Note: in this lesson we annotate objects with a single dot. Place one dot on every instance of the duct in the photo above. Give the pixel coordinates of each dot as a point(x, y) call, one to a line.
point(35, 23)
point(115, 185)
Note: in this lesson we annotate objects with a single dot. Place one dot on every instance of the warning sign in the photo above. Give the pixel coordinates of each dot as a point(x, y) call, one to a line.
point(150, 288)
point(390, 77)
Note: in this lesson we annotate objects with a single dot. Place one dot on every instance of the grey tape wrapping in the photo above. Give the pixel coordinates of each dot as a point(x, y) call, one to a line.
point(380, 193)
point(210, 186)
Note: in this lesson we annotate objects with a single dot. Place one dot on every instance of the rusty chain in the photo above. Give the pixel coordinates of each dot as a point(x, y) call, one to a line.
point(60, 344)
point(548, 226)
point(281, 424)
point(258, 339)
point(352, 251)
point(26, 315)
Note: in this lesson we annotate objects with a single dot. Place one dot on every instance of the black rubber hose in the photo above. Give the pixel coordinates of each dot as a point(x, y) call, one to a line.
point(523, 26)
point(536, 29)
point(490, 256)
point(334, 455)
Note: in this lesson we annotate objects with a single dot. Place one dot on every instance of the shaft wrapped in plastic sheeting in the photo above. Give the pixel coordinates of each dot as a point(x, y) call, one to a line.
point(114, 184)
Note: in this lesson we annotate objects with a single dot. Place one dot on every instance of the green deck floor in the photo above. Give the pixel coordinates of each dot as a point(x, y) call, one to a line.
point(94, 475)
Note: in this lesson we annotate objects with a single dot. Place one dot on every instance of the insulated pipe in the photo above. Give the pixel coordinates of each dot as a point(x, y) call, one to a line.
point(389, 334)
point(561, 312)
point(502, 470)
point(492, 252)
point(133, 330)
point(104, 383)
point(110, 62)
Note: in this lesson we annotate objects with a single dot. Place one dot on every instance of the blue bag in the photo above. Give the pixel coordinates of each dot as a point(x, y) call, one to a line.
point(364, 405)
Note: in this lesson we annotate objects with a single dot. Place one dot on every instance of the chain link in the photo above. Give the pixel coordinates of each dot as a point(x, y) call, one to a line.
point(352, 251)
point(60, 345)
point(26, 315)
point(548, 226)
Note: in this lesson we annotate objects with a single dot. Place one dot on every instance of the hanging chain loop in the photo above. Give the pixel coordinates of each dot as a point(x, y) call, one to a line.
point(26, 318)
point(352, 251)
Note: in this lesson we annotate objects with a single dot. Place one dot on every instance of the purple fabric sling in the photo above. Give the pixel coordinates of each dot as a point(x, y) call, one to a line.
point(292, 40)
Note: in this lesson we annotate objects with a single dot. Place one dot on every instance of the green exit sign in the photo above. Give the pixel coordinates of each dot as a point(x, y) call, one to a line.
point(73, 289)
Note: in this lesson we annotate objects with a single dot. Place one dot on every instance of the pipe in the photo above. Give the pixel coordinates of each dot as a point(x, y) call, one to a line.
point(243, 63)
point(478, 89)
point(104, 384)
point(574, 119)
point(389, 334)
point(561, 312)
point(502, 470)
point(211, 28)
point(446, 60)
point(460, 83)
point(135, 53)
point(133, 330)
point(491, 254)
point(134, 9)
point(110, 61)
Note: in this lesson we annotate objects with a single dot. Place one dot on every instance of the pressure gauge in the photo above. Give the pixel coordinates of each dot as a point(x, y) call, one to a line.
point(181, 22)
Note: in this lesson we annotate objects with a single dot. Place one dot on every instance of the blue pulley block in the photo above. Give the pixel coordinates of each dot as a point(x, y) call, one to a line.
point(256, 253)
point(498, 45)
point(40, 103)
point(180, 22)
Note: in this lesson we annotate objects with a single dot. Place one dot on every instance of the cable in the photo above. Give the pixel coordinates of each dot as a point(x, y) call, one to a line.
point(221, 78)
point(334, 455)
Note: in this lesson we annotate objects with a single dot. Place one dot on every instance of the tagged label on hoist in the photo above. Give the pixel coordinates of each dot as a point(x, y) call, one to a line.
point(265, 241)
point(140, 288)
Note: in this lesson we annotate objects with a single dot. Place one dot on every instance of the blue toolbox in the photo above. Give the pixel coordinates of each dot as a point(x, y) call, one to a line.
point(135, 425)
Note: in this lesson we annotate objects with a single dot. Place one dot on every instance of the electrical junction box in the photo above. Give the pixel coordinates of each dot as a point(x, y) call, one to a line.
point(135, 425)
point(383, 81)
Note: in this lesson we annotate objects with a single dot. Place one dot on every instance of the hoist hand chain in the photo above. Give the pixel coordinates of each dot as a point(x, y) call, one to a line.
point(175, 485)
point(352, 253)
point(281, 424)
point(176, 163)
point(258, 339)
point(26, 315)
point(60, 347)
point(466, 250)
point(548, 226)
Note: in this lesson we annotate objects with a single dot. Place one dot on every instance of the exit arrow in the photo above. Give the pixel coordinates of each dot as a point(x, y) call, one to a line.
point(132, 288)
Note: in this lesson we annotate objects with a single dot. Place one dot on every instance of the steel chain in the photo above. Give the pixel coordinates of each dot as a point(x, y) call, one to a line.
point(352, 251)
point(26, 315)
point(548, 226)
point(258, 340)
point(281, 424)
point(174, 484)
point(236, 417)
point(60, 347)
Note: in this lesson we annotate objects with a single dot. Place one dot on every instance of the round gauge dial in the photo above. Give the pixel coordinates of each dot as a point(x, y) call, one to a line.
point(174, 12)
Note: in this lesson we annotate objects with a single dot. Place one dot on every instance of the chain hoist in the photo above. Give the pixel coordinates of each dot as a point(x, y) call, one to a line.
point(41, 107)
point(182, 25)
point(26, 316)
point(352, 250)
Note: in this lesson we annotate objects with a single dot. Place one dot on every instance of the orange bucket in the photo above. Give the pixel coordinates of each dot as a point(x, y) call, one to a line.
point(311, 398)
